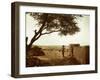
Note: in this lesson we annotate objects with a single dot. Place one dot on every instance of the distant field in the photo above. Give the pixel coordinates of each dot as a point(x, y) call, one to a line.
point(54, 51)
point(56, 55)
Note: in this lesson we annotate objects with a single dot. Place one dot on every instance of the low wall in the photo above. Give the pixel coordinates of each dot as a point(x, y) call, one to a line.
point(81, 54)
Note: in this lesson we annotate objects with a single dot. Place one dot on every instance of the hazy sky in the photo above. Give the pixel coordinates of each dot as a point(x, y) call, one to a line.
point(81, 37)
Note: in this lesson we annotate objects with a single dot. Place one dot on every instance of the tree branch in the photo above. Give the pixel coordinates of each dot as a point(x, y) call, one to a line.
point(50, 32)
point(38, 36)
point(38, 32)
point(35, 31)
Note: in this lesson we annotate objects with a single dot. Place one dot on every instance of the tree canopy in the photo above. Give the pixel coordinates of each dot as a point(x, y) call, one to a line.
point(64, 24)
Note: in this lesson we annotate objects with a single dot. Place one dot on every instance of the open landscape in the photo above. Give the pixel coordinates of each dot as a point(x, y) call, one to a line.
point(73, 54)
point(54, 39)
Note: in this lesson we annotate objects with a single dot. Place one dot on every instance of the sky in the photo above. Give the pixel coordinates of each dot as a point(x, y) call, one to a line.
point(81, 37)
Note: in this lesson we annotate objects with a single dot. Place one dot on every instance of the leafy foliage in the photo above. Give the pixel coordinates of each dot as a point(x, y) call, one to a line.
point(63, 23)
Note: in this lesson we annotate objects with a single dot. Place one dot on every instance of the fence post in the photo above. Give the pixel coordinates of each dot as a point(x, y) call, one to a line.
point(63, 49)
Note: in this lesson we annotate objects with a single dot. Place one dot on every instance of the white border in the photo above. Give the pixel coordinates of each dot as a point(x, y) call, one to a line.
point(70, 68)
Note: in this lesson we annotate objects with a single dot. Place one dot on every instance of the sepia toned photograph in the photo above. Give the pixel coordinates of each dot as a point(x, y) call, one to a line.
point(53, 39)
point(56, 39)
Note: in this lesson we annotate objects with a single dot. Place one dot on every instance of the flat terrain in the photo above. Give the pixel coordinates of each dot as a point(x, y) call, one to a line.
point(49, 56)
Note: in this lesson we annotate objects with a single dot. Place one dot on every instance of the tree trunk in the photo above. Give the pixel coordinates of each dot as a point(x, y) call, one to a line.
point(37, 34)
point(28, 46)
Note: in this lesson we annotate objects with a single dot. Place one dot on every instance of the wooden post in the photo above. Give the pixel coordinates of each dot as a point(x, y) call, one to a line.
point(63, 49)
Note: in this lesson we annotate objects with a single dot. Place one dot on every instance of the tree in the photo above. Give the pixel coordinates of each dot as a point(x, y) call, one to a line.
point(64, 24)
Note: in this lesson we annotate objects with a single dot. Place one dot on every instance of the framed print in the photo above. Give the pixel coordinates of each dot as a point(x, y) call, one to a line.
point(53, 39)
